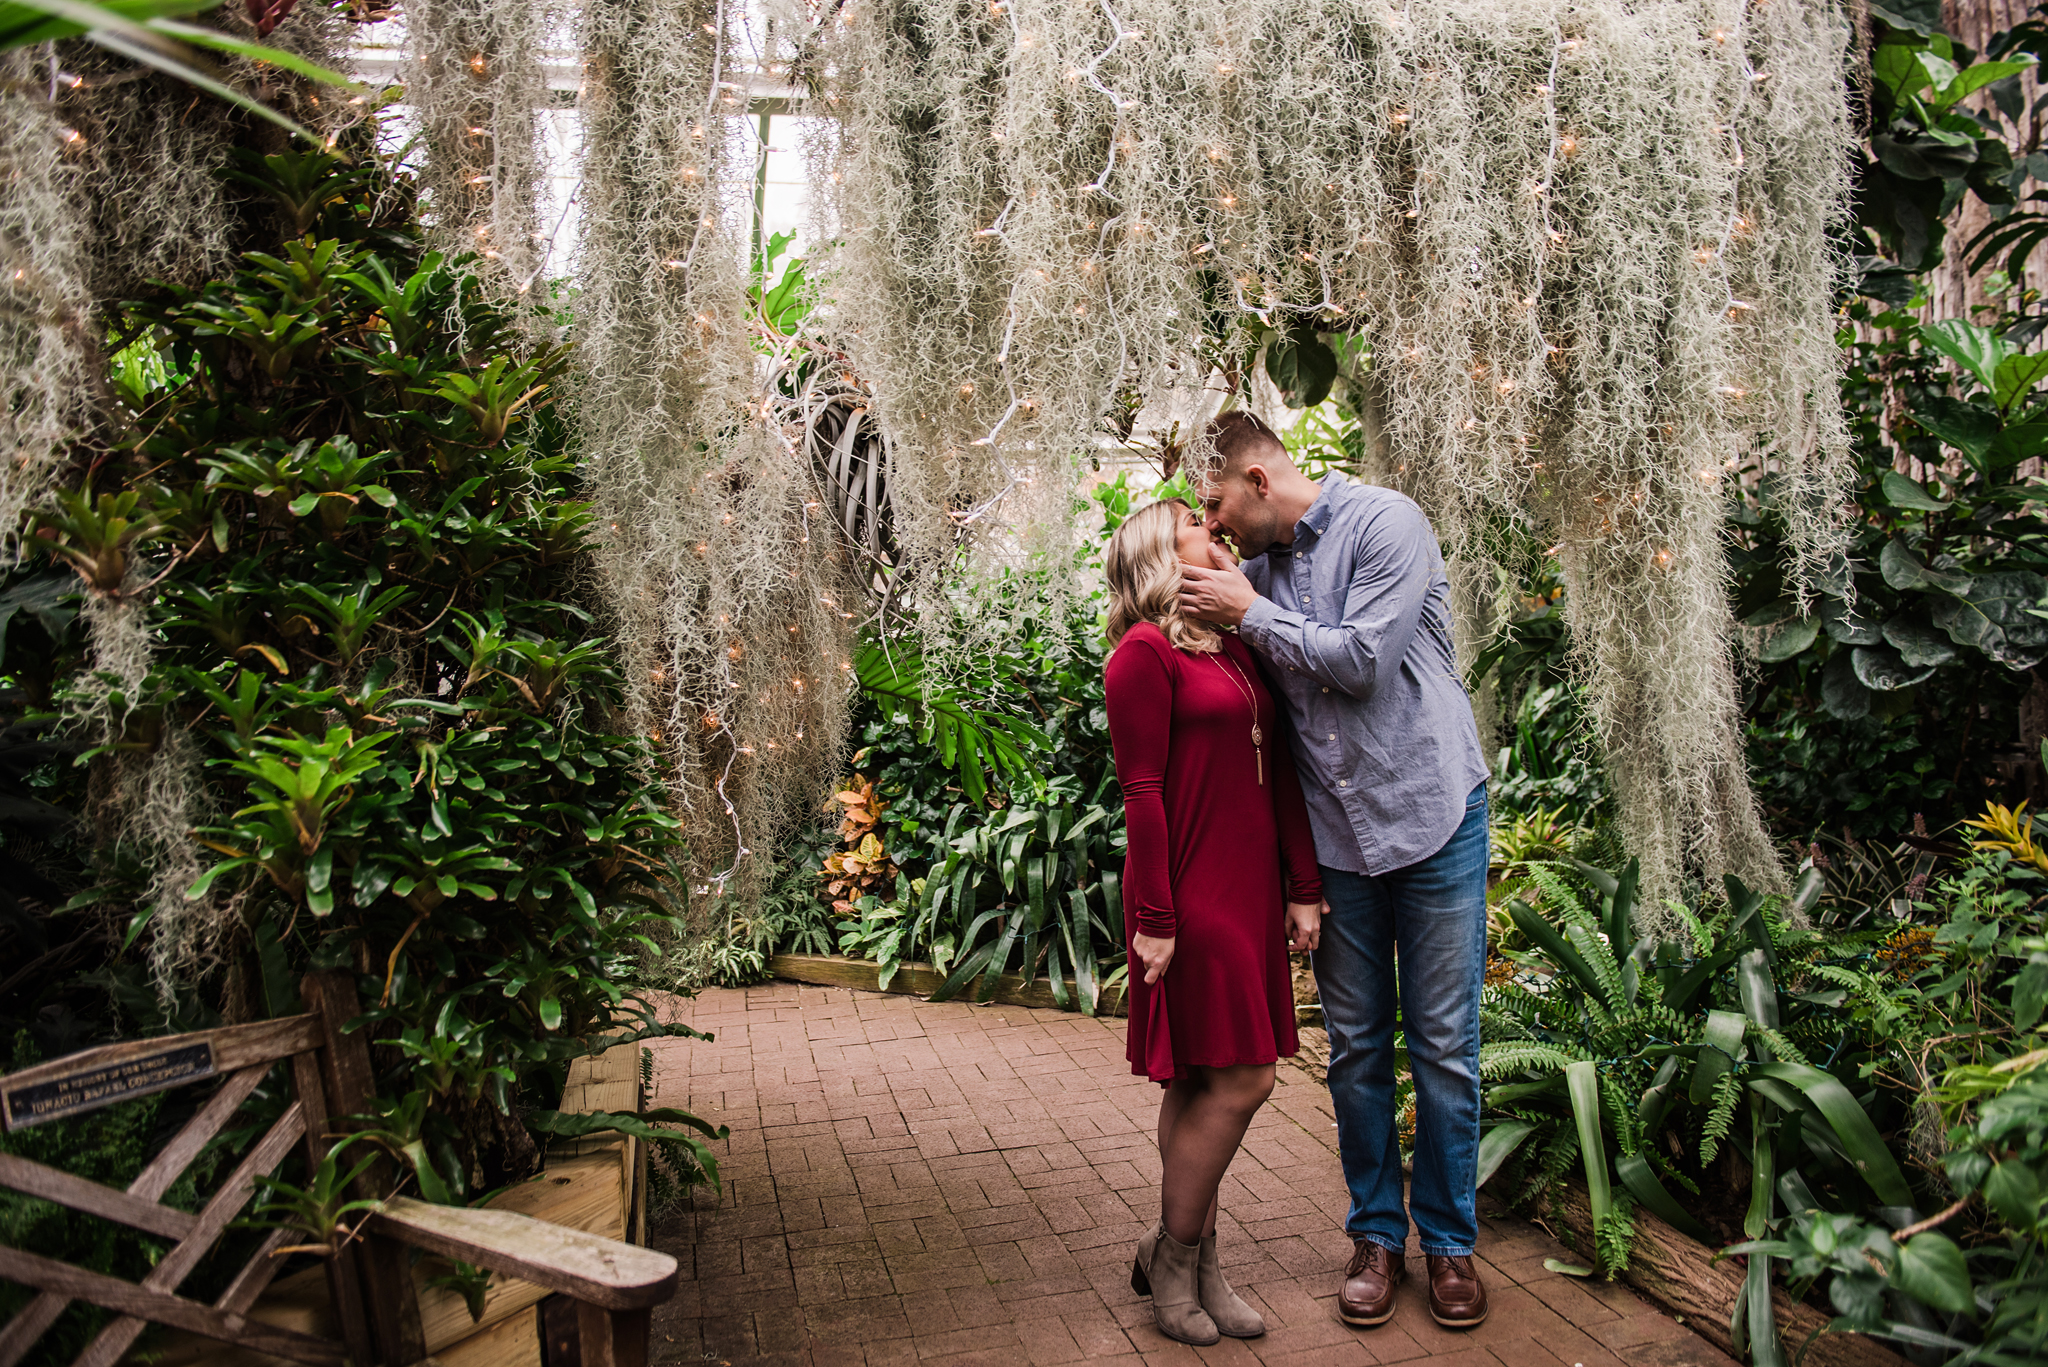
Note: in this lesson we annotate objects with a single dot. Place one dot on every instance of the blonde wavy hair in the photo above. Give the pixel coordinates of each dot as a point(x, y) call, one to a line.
point(1143, 568)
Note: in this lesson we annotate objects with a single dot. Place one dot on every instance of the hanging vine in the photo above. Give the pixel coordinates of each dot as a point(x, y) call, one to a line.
point(1588, 244)
point(730, 591)
point(477, 86)
point(45, 339)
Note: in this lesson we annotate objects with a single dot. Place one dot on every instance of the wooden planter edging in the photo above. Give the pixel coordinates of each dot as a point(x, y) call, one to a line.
point(595, 1185)
point(921, 980)
point(1679, 1273)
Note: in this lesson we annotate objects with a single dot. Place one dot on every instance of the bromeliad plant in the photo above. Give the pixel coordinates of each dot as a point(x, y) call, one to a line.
point(1640, 1062)
point(340, 530)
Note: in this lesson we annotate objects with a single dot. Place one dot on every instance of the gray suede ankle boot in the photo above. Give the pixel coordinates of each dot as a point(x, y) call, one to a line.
point(1165, 1271)
point(1231, 1315)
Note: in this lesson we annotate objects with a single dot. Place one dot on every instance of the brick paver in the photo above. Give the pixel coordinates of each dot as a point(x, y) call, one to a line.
point(950, 1184)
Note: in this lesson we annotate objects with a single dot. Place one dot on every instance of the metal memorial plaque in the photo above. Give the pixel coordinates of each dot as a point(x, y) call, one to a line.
point(54, 1098)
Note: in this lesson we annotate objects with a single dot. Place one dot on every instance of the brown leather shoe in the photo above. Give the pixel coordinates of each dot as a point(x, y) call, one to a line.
point(1367, 1296)
point(1456, 1299)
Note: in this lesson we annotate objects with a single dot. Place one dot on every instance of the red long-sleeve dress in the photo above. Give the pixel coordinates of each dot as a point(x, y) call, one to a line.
point(1213, 858)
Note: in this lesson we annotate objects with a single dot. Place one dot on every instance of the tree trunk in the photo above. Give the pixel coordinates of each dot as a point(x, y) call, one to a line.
point(1680, 1273)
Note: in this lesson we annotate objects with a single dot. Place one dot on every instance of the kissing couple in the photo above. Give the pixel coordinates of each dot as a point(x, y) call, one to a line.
point(1300, 771)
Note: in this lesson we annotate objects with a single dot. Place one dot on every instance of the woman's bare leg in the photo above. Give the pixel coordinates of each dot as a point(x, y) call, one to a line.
point(1202, 1119)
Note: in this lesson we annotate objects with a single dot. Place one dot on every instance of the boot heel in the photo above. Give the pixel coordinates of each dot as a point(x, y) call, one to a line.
point(1140, 1283)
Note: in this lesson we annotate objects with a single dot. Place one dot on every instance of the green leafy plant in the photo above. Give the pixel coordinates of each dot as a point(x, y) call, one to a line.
point(1644, 1060)
point(357, 584)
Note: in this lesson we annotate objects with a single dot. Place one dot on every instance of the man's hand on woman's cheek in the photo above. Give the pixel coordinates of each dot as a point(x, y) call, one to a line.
point(1220, 596)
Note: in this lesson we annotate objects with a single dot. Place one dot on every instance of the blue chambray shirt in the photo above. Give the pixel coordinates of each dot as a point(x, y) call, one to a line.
point(1353, 622)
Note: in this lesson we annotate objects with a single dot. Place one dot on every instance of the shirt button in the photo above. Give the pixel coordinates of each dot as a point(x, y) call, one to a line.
point(1326, 689)
point(1333, 735)
point(1343, 783)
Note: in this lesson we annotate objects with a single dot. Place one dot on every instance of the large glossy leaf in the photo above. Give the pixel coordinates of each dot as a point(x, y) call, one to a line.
point(1974, 78)
point(1848, 625)
point(1925, 155)
point(1901, 492)
point(1787, 637)
point(1996, 615)
point(1917, 639)
point(1841, 692)
point(1969, 427)
point(1977, 350)
point(2016, 377)
point(1884, 669)
point(1302, 365)
point(1897, 66)
point(2012, 446)
point(1905, 569)
point(1931, 1270)
point(1916, 16)
point(1858, 1136)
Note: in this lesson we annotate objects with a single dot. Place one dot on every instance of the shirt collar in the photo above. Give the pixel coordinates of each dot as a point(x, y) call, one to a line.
point(1316, 520)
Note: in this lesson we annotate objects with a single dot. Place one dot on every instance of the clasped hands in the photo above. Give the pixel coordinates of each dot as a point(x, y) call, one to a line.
point(1304, 932)
point(1220, 595)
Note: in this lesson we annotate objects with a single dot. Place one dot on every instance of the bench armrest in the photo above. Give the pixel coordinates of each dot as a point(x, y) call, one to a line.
point(585, 1267)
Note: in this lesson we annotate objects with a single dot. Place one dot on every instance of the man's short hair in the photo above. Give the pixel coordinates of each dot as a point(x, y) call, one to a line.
point(1240, 438)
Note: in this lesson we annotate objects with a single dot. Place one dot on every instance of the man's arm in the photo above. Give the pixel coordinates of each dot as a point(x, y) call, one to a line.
point(1396, 560)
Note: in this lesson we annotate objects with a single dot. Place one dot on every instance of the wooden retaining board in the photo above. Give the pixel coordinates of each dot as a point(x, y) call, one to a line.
point(921, 980)
point(591, 1185)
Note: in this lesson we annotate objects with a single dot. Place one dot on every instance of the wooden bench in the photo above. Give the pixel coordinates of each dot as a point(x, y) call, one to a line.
point(370, 1285)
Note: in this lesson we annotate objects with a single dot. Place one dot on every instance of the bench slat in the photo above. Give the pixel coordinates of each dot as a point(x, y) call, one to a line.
point(108, 1203)
point(76, 1283)
point(585, 1267)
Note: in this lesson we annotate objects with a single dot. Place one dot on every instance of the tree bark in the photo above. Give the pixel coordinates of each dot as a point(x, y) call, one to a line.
point(1680, 1273)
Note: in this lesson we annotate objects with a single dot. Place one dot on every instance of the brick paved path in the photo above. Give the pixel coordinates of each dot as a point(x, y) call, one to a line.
point(920, 1184)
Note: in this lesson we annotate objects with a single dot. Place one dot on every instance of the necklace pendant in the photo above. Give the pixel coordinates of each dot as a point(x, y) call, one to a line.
point(1258, 736)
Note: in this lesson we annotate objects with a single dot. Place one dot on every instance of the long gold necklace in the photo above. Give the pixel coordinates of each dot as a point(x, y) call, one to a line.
point(1244, 688)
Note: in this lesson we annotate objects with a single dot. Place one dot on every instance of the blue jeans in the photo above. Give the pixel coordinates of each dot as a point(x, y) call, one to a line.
point(1433, 914)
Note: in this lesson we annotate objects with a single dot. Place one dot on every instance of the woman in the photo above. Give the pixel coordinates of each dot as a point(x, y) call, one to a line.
point(1214, 814)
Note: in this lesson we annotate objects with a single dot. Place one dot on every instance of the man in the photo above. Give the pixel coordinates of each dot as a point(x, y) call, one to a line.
point(1342, 594)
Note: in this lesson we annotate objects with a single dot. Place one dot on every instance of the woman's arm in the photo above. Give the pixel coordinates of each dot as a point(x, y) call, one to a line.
point(1139, 696)
point(1290, 814)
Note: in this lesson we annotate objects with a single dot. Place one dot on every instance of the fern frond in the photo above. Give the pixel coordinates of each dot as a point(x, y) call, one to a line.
point(1671, 1171)
point(1502, 1025)
point(1593, 948)
point(1558, 895)
point(1559, 1154)
point(1622, 1116)
point(1780, 1046)
point(1702, 938)
point(1503, 1057)
point(1614, 1236)
point(1720, 1116)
